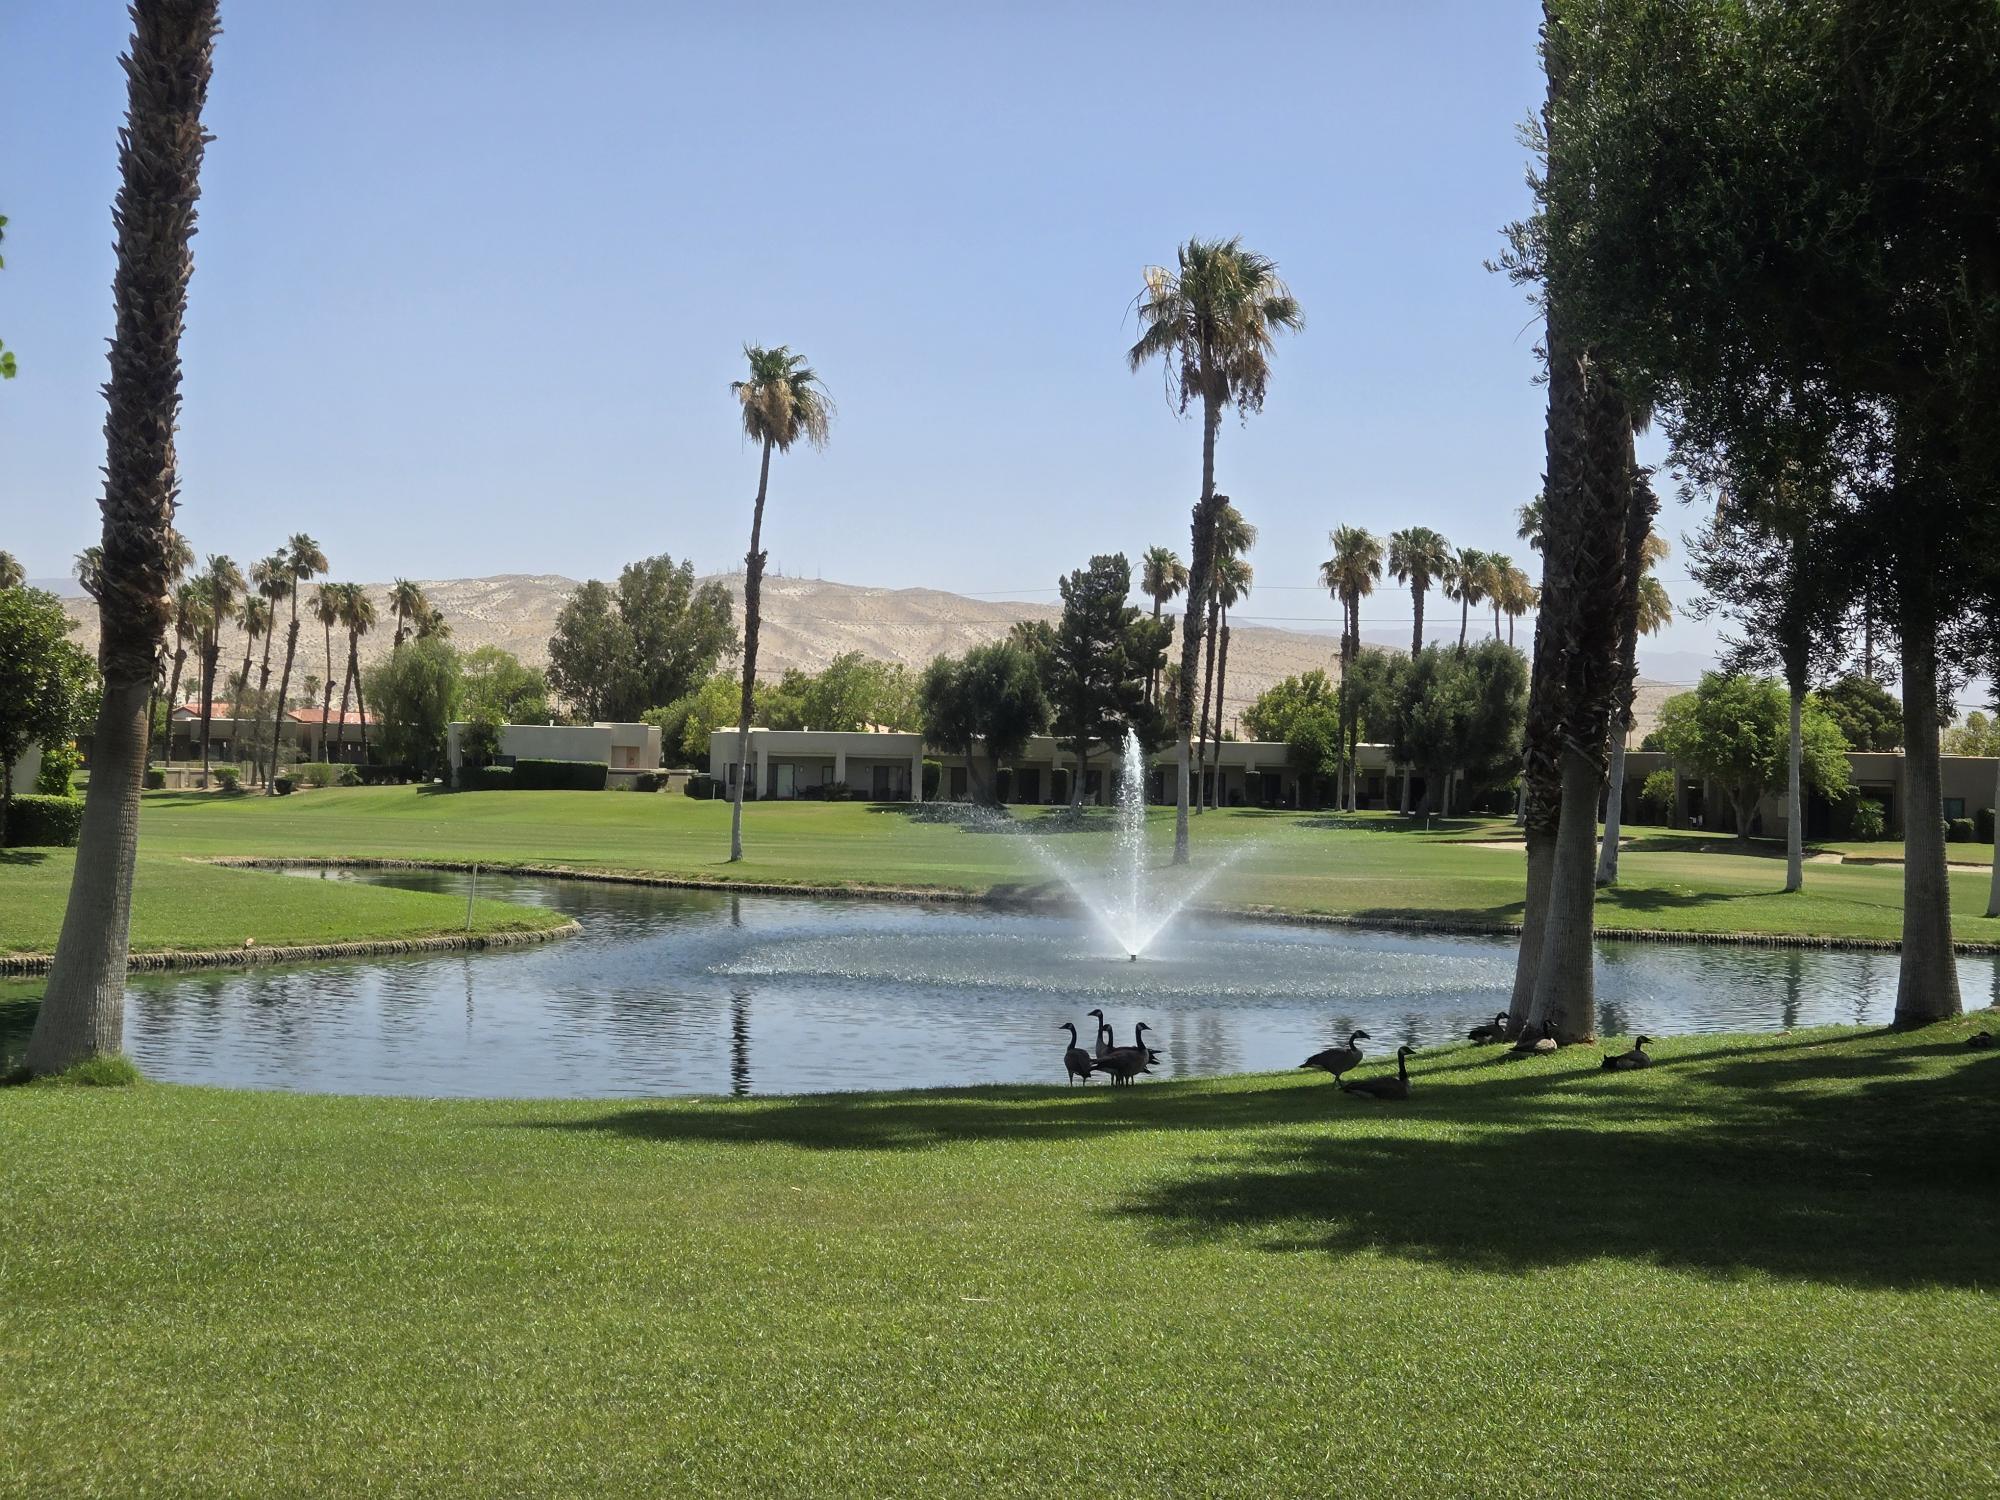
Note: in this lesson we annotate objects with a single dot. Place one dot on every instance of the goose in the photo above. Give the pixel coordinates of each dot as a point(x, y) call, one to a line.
point(1980, 1041)
point(1076, 1062)
point(1102, 1043)
point(1385, 1088)
point(1337, 1060)
point(1126, 1063)
point(1497, 1032)
point(1540, 1039)
point(1636, 1058)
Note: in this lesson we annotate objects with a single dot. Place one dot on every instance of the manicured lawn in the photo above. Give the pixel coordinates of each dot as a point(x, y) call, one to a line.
point(1763, 1268)
point(1973, 854)
point(180, 904)
point(1371, 866)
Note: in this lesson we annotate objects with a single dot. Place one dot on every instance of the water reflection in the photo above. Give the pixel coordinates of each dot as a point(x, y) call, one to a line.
point(660, 994)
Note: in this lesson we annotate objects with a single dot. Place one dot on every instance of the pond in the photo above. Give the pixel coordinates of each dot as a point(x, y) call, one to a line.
point(686, 992)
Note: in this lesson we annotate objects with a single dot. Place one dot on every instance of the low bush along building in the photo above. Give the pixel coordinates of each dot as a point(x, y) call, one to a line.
point(627, 751)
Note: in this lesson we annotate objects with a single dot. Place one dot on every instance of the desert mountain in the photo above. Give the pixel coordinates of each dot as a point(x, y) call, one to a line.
point(807, 622)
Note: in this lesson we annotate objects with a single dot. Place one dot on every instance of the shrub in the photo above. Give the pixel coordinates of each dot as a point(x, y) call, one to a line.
point(1059, 784)
point(283, 785)
point(229, 778)
point(390, 775)
point(59, 767)
point(1868, 819)
point(45, 822)
point(649, 781)
point(702, 785)
point(933, 778)
point(1958, 831)
point(350, 776)
point(485, 778)
point(1656, 797)
point(114, 1072)
point(156, 779)
point(561, 775)
point(1982, 826)
point(317, 773)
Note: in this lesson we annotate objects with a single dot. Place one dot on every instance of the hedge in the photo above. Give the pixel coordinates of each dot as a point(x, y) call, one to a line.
point(649, 781)
point(316, 773)
point(156, 779)
point(47, 822)
point(1959, 831)
point(386, 775)
point(701, 785)
point(561, 775)
point(1982, 826)
point(485, 778)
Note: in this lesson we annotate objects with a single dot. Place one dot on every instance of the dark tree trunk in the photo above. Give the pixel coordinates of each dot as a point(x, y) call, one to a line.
point(1153, 671)
point(1927, 982)
point(360, 698)
point(1202, 791)
point(1417, 627)
point(284, 693)
point(1202, 548)
point(326, 701)
point(1221, 685)
point(211, 651)
point(753, 584)
point(167, 72)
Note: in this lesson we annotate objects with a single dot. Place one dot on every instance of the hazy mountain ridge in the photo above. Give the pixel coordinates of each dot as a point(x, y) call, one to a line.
point(807, 623)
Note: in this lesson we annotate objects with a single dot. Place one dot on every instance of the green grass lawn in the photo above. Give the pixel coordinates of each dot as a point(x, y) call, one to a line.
point(180, 904)
point(1370, 866)
point(1766, 1267)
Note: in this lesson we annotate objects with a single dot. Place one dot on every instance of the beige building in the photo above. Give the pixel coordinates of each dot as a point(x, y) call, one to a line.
point(1966, 783)
point(229, 738)
point(627, 749)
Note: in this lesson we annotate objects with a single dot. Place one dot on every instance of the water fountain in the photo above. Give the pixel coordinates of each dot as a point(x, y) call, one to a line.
point(1131, 903)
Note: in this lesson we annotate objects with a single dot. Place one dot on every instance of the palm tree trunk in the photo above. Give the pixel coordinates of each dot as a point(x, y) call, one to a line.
point(167, 72)
point(326, 701)
point(1153, 671)
point(174, 692)
point(1614, 808)
point(1566, 980)
point(1795, 810)
point(1202, 549)
point(346, 688)
point(1496, 619)
point(1993, 894)
point(1202, 790)
point(1927, 985)
point(1417, 626)
point(360, 700)
point(1464, 619)
point(211, 651)
point(284, 693)
point(257, 725)
point(1223, 677)
point(1534, 923)
point(753, 583)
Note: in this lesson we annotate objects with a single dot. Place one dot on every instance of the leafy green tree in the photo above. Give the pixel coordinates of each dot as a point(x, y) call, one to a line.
point(1869, 716)
point(686, 724)
point(1646, 611)
point(495, 680)
point(45, 681)
point(1212, 323)
point(617, 652)
point(991, 699)
point(1461, 718)
point(1372, 701)
point(414, 695)
point(1734, 730)
point(1271, 716)
point(853, 692)
point(167, 69)
point(591, 652)
point(1975, 734)
point(1094, 663)
point(783, 403)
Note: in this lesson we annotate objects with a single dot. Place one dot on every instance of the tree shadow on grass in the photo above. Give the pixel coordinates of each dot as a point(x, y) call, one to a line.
point(23, 857)
point(970, 817)
point(1503, 917)
point(1740, 1160)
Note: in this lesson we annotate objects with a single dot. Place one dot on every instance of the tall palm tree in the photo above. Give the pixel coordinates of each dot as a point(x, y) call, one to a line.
point(159, 153)
point(222, 583)
point(272, 581)
point(408, 603)
point(1471, 570)
point(88, 568)
point(12, 574)
point(1530, 519)
point(1652, 611)
point(1234, 536)
point(1515, 593)
point(326, 609)
point(1419, 557)
point(357, 615)
point(1349, 575)
point(303, 562)
point(431, 625)
point(782, 402)
point(1161, 579)
point(1233, 577)
point(1212, 324)
point(253, 619)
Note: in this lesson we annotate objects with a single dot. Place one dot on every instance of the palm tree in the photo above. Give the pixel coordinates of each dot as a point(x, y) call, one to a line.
point(1161, 580)
point(1516, 593)
point(1212, 324)
point(253, 618)
point(357, 614)
point(782, 402)
point(409, 604)
point(88, 567)
point(180, 557)
point(1466, 581)
point(190, 625)
point(159, 153)
point(1652, 612)
point(302, 561)
point(326, 609)
point(1233, 577)
point(1530, 518)
point(1419, 557)
point(12, 574)
point(432, 625)
point(1349, 575)
point(221, 582)
point(272, 581)
point(1233, 537)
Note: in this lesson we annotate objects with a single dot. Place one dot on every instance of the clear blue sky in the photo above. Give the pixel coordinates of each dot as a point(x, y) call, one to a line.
point(472, 280)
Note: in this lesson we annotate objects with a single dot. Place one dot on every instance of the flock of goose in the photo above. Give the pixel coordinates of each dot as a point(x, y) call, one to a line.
point(1123, 1064)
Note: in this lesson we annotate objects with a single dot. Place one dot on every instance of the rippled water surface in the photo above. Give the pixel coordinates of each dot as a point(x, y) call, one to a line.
point(677, 992)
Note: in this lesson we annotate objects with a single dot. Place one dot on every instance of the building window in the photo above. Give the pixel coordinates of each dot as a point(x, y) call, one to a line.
point(1954, 807)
